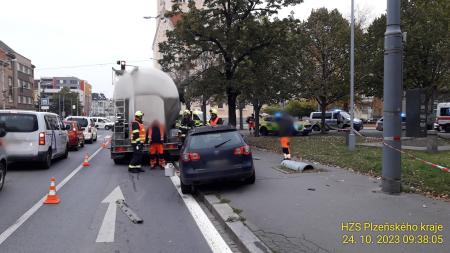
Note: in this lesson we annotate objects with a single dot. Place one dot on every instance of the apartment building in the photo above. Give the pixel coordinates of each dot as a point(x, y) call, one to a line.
point(16, 80)
point(49, 87)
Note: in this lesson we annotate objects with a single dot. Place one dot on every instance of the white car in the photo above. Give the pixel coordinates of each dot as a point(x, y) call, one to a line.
point(103, 123)
point(87, 125)
point(443, 116)
point(34, 136)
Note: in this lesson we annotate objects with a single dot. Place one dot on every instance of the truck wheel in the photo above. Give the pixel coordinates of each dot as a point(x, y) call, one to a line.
point(185, 189)
point(316, 128)
point(263, 131)
point(120, 161)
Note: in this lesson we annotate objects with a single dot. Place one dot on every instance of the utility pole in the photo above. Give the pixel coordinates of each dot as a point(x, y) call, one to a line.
point(393, 68)
point(351, 134)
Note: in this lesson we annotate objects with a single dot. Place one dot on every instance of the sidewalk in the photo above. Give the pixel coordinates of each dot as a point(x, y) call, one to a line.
point(304, 212)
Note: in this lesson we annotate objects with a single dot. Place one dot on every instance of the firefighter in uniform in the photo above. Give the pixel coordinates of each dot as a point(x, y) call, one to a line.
point(155, 136)
point(186, 122)
point(286, 127)
point(214, 120)
point(137, 140)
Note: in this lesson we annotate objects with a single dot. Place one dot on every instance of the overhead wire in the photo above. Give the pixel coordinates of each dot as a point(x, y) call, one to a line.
point(90, 65)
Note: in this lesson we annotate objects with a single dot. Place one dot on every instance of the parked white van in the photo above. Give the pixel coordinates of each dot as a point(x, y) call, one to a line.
point(102, 123)
point(34, 136)
point(443, 116)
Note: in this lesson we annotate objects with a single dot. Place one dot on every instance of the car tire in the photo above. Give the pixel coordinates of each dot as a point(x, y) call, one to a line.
point(2, 174)
point(305, 133)
point(447, 128)
point(47, 163)
point(82, 144)
point(66, 152)
point(251, 179)
point(185, 189)
point(90, 141)
point(95, 139)
point(107, 127)
point(263, 131)
point(316, 128)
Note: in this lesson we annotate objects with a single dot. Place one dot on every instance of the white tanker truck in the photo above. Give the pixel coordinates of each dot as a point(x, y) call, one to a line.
point(154, 93)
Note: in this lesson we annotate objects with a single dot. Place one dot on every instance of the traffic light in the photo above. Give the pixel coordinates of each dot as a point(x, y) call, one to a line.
point(122, 65)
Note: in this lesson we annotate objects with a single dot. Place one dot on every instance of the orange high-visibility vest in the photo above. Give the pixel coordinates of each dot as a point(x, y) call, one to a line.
point(141, 133)
point(213, 122)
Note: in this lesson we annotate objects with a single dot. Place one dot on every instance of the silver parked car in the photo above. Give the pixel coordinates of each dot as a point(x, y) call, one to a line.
point(34, 136)
point(3, 159)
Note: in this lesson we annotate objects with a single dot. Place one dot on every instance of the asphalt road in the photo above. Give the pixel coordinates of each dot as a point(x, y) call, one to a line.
point(74, 224)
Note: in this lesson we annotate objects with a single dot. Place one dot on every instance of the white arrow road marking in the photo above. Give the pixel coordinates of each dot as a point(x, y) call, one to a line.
point(210, 233)
point(19, 222)
point(106, 232)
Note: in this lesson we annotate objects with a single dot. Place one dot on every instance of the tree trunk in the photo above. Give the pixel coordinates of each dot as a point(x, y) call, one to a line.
point(204, 109)
point(241, 120)
point(323, 109)
point(257, 109)
point(232, 108)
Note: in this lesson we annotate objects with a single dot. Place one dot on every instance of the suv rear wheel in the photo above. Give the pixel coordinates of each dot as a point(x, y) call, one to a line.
point(185, 189)
point(447, 128)
point(251, 179)
point(2, 174)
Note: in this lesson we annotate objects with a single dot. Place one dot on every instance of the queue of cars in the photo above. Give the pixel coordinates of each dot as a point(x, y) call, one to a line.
point(40, 137)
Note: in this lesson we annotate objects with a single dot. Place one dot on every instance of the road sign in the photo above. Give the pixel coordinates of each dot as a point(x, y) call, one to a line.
point(45, 101)
point(45, 107)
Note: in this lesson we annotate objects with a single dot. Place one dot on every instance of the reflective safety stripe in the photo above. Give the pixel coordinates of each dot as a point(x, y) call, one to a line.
point(136, 131)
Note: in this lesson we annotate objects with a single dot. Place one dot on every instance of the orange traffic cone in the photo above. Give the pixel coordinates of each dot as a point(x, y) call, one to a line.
point(86, 161)
point(52, 198)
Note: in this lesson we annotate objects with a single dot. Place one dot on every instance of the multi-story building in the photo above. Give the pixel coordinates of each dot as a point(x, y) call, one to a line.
point(101, 105)
point(16, 80)
point(48, 87)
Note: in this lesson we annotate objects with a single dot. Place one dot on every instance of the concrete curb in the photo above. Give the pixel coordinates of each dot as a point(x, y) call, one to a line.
point(244, 237)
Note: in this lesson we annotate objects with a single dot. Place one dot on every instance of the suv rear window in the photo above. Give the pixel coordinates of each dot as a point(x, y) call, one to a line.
point(209, 140)
point(21, 123)
point(83, 122)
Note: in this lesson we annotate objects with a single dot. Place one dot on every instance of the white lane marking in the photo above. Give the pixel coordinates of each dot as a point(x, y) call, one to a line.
point(19, 222)
point(108, 228)
point(212, 237)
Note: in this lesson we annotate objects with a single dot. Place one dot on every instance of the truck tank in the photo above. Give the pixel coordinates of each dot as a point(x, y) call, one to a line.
point(151, 91)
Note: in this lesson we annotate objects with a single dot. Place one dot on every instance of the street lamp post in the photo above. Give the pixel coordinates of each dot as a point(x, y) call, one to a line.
point(393, 50)
point(351, 135)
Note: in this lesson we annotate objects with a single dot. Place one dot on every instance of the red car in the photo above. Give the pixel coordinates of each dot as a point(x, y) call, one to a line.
point(76, 136)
